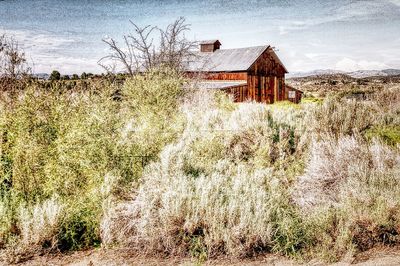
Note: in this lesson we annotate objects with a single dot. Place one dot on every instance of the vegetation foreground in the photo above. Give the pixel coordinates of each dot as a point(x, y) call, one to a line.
point(157, 168)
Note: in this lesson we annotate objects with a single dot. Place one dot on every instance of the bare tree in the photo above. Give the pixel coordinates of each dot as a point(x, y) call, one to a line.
point(14, 67)
point(13, 63)
point(150, 47)
point(175, 50)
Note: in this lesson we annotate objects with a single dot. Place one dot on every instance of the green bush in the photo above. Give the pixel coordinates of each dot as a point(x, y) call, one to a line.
point(312, 100)
point(285, 104)
point(61, 143)
point(80, 226)
point(389, 134)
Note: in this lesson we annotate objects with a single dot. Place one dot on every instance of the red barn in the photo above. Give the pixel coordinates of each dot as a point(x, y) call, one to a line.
point(249, 74)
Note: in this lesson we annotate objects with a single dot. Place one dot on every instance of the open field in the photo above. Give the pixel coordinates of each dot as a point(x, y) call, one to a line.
point(321, 85)
point(191, 175)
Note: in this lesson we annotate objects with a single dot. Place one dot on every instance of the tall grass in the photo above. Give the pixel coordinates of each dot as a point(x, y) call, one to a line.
point(159, 168)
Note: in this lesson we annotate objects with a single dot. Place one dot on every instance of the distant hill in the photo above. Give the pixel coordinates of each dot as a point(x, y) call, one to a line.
point(392, 72)
point(374, 73)
point(41, 75)
point(354, 74)
point(317, 72)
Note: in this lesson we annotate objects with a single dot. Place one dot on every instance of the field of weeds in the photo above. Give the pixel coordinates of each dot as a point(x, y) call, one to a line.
point(156, 168)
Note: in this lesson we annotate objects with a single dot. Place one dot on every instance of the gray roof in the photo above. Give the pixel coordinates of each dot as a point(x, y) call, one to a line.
point(208, 84)
point(240, 59)
point(209, 41)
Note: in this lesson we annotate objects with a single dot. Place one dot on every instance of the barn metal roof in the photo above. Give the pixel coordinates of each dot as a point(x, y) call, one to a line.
point(239, 59)
point(227, 60)
point(207, 84)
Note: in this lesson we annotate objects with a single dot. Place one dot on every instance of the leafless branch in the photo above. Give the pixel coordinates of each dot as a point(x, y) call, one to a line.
point(141, 51)
point(13, 63)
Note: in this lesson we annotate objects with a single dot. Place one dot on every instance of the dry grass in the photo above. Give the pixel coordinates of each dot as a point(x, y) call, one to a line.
point(221, 178)
point(350, 194)
point(218, 189)
point(350, 168)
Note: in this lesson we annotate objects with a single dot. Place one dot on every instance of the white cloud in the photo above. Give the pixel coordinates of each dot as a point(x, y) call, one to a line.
point(313, 56)
point(303, 25)
point(347, 64)
point(293, 25)
point(49, 51)
point(37, 40)
point(357, 10)
point(396, 2)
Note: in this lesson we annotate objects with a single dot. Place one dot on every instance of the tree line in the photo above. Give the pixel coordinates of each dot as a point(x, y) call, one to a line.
point(56, 75)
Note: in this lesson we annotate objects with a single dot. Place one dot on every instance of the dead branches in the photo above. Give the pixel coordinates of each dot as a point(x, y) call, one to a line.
point(149, 47)
point(13, 63)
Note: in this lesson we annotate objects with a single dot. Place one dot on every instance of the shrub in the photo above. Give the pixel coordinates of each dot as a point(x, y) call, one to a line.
point(389, 134)
point(80, 226)
point(208, 194)
point(231, 211)
point(60, 144)
point(306, 100)
point(55, 75)
point(150, 109)
point(31, 229)
point(358, 189)
point(338, 117)
point(39, 224)
point(7, 220)
point(285, 104)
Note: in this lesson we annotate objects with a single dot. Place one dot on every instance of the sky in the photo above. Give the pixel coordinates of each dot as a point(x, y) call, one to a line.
point(343, 35)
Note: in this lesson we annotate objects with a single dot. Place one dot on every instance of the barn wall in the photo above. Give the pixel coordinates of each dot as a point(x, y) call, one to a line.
point(239, 93)
point(209, 47)
point(227, 76)
point(218, 75)
point(266, 80)
point(266, 65)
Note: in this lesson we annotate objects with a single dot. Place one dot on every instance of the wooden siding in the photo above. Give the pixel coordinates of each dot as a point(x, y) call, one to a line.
point(266, 80)
point(266, 65)
point(265, 89)
point(217, 75)
point(227, 76)
point(210, 47)
point(239, 93)
point(259, 89)
point(297, 94)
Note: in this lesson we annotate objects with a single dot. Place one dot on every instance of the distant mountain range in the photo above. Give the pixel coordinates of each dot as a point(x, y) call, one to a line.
point(354, 74)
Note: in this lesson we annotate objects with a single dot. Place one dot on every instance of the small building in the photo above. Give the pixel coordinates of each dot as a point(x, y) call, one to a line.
point(249, 74)
point(294, 95)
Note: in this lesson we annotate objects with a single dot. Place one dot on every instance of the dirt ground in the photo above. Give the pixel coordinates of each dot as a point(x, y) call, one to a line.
point(378, 256)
